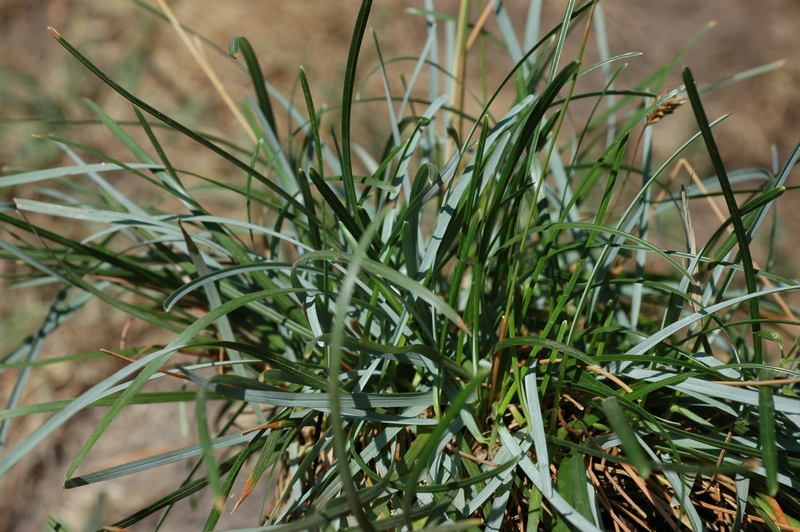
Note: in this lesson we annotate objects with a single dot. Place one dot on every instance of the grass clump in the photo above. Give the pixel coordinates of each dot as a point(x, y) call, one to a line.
point(475, 327)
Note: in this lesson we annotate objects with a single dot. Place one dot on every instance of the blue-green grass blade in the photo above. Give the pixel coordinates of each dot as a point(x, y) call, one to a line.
point(302, 178)
point(274, 151)
point(303, 376)
point(97, 252)
point(60, 311)
point(707, 388)
point(281, 510)
point(107, 189)
point(421, 123)
point(393, 276)
point(312, 121)
point(744, 74)
point(556, 500)
point(24, 347)
point(121, 135)
point(742, 494)
point(495, 519)
point(536, 427)
point(387, 90)
point(168, 180)
point(96, 392)
point(96, 289)
point(140, 399)
point(516, 67)
point(64, 171)
point(121, 219)
point(453, 413)
point(529, 128)
point(346, 291)
point(223, 325)
point(410, 354)
point(156, 461)
point(212, 471)
point(432, 14)
point(354, 405)
point(230, 478)
point(562, 36)
point(556, 227)
point(187, 489)
point(153, 362)
point(509, 35)
point(56, 309)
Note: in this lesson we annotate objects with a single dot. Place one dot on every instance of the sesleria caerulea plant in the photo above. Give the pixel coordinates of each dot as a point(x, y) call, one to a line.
point(476, 327)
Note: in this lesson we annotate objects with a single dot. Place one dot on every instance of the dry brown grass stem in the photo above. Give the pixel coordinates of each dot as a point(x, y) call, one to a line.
point(619, 523)
point(471, 457)
point(608, 474)
point(476, 31)
point(658, 504)
point(195, 48)
point(131, 360)
point(596, 369)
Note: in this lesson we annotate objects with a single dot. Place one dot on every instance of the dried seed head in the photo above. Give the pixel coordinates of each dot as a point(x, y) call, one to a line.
point(666, 108)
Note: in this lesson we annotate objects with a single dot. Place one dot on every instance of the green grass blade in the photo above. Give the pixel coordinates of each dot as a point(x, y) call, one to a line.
point(558, 502)
point(238, 44)
point(342, 212)
point(347, 104)
point(153, 362)
point(619, 422)
point(156, 461)
point(178, 126)
point(379, 270)
point(765, 404)
point(57, 173)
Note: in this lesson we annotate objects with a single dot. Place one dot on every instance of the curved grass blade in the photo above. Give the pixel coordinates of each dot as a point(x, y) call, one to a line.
point(180, 127)
point(402, 354)
point(242, 44)
point(152, 363)
point(393, 276)
point(761, 202)
point(347, 104)
point(313, 121)
point(346, 291)
point(94, 393)
point(665, 333)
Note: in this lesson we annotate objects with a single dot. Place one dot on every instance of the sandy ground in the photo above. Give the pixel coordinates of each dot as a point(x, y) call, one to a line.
point(38, 78)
